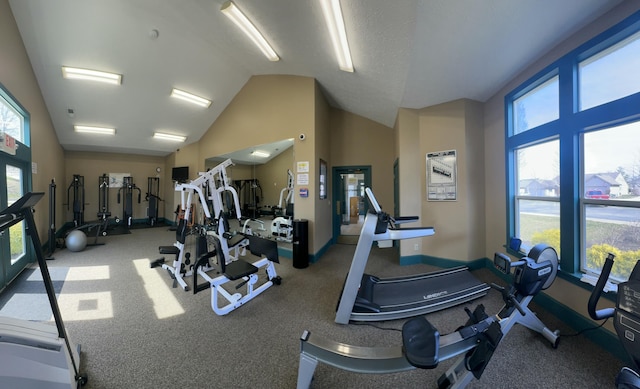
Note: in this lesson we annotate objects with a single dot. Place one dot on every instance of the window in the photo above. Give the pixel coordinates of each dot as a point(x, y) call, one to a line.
point(611, 198)
point(11, 121)
point(610, 74)
point(537, 202)
point(537, 107)
point(573, 154)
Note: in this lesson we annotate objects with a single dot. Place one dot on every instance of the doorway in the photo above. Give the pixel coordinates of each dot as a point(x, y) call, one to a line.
point(350, 205)
point(13, 241)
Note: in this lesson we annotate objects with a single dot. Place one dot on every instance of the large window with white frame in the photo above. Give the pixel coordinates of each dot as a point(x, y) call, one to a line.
point(573, 154)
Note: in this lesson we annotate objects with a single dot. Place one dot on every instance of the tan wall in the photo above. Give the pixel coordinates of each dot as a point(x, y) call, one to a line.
point(410, 169)
point(19, 80)
point(323, 150)
point(566, 293)
point(356, 140)
point(459, 224)
point(93, 165)
point(267, 109)
point(184, 156)
point(273, 178)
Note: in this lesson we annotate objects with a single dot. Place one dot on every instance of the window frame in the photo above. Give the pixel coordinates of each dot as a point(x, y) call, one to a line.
point(568, 129)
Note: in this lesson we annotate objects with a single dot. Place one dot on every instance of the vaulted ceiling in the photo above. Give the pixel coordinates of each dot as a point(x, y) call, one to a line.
point(406, 53)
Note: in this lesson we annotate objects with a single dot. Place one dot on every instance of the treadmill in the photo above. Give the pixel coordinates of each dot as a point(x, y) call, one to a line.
point(366, 297)
point(36, 355)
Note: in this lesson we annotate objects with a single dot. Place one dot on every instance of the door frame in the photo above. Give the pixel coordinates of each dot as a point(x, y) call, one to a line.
point(336, 186)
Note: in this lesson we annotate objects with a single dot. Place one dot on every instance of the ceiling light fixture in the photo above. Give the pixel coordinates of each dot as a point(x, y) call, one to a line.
point(335, 23)
point(172, 137)
point(261, 154)
point(95, 130)
point(186, 96)
point(232, 12)
point(91, 75)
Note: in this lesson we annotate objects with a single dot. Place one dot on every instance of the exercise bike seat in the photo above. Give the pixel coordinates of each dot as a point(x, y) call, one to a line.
point(421, 341)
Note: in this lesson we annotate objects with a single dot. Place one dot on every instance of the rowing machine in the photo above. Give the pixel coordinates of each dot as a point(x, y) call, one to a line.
point(423, 347)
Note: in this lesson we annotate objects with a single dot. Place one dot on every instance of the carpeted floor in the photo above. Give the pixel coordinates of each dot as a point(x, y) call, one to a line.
point(138, 331)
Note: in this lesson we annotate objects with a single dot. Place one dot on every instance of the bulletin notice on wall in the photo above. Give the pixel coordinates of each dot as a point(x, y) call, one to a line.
point(442, 176)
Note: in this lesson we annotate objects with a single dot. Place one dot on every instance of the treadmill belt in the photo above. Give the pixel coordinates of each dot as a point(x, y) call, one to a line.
point(428, 292)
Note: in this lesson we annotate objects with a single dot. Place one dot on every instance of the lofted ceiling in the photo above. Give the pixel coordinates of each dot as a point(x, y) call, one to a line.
point(406, 53)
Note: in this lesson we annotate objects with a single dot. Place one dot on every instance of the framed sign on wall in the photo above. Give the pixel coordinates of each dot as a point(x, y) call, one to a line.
point(442, 176)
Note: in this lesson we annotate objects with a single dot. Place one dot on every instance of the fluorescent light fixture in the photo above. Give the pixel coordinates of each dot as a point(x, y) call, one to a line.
point(95, 130)
point(335, 23)
point(233, 13)
point(91, 75)
point(186, 96)
point(261, 154)
point(172, 137)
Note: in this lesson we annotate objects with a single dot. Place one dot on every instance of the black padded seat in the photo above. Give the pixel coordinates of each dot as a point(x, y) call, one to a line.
point(421, 341)
point(238, 269)
point(181, 234)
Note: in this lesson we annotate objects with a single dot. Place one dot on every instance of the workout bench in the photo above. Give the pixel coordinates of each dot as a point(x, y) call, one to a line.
point(234, 271)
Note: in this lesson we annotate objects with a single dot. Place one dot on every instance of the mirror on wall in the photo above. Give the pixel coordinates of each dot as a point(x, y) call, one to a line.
point(263, 177)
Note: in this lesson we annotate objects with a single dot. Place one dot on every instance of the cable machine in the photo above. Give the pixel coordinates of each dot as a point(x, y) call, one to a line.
point(103, 197)
point(127, 199)
point(153, 190)
point(249, 193)
point(52, 245)
point(77, 188)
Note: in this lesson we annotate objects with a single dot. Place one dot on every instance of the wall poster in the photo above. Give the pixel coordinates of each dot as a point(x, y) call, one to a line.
point(442, 176)
point(116, 179)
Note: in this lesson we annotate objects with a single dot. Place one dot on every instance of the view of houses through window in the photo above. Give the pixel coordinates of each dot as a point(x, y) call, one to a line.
point(590, 153)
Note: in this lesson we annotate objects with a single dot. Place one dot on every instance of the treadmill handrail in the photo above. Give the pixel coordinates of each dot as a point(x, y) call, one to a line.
point(404, 233)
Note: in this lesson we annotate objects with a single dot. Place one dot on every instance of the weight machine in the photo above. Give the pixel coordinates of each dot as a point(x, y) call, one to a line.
point(103, 197)
point(127, 199)
point(216, 241)
point(76, 188)
point(282, 225)
point(153, 191)
point(227, 247)
point(249, 193)
point(36, 355)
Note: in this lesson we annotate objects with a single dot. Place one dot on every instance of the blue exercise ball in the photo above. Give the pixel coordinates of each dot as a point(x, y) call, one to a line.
point(76, 240)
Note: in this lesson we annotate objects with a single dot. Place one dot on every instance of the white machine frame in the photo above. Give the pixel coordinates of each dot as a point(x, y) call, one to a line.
point(282, 226)
point(217, 181)
point(197, 186)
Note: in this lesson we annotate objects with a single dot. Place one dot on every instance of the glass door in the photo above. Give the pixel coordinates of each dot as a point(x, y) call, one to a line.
point(349, 201)
point(13, 241)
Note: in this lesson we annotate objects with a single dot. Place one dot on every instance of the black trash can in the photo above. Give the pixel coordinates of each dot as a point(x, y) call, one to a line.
point(300, 243)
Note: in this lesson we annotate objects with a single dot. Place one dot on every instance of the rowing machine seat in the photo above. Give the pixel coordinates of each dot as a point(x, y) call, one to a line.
point(421, 341)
